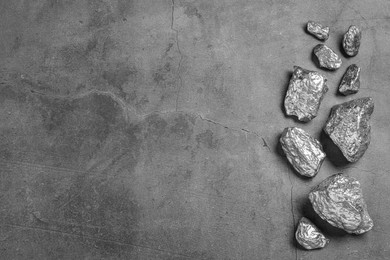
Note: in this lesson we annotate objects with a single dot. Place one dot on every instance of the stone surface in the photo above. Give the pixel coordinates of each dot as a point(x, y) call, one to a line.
point(350, 83)
point(327, 58)
point(303, 151)
point(318, 30)
point(309, 236)
point(304, 95)
point(96, 163)
point(351, 40)
point(349, 127)
point(339, 200)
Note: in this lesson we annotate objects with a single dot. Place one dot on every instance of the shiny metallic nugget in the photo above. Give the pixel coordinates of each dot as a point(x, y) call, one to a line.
point(351, 41)
point(318, 30)
point(350, 83)
point(327, 58)
point(339, 201)
point(309, 236)
point(349, 127)
point(303, 152)
point(305, 92)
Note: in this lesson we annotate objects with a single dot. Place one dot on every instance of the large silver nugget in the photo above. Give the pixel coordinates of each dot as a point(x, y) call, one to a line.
point(339, 200)
point(303, 151)
point(318, 30)
point(351, 40)
point(349, 127)
point(309, 236)
point(350, 82)
point(327, 58)
point(305, 92)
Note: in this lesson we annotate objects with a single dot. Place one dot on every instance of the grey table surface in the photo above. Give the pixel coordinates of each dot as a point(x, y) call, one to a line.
point(149, 129)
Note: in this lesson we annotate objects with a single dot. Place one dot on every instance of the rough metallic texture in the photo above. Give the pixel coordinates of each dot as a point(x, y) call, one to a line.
point(305, 92)
point(303, 151)
point(349, 128)
point(351, 40)
point(327, 58)
point(339, 200)
point(319, 31)
point(350, 82)
point(309, 236)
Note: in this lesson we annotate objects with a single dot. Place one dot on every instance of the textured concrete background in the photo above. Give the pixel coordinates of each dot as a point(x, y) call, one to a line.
point(149, 129)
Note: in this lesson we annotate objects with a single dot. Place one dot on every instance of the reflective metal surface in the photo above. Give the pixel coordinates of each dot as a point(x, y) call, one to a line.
point(349, 127)
point(350, 82)
point(339, 200)
point(351, 40)
point(318, 30)
point(309, 236)
point(327, 58)
point(305, 92)
point(303, 151)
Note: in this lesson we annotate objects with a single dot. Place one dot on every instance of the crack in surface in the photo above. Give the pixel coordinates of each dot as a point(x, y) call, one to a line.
point(246, 131)
point(292, 211)
point(293, 216)
point(265, 144)
point(181, 55)
point(130, 111)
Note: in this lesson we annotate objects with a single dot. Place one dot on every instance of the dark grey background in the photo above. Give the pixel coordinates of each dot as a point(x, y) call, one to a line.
point(149, 129)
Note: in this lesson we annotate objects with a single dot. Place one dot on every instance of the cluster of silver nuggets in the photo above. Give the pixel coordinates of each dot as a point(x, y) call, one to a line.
point(338, 199)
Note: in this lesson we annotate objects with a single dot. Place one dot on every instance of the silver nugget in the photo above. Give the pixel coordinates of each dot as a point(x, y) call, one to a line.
point(318, 30)
point(350, 83)
point(349, 127)
point(305, 92)
point(327, 58)
point(303, 151)
point(339, 201)
point(309, 236)
point(351, 40)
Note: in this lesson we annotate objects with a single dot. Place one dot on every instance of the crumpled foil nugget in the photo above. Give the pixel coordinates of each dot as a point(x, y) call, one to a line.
point(339, 200)
point(303, 151)
point(349, 127)
point(305, 92)
point(351, 40)
point(350, 83)
point(309, 236)
point(318, 30)
point(327, 58)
